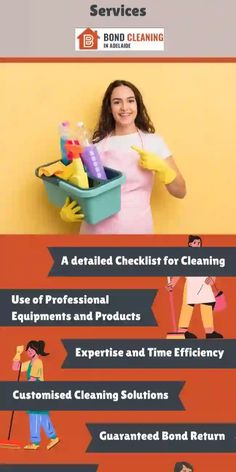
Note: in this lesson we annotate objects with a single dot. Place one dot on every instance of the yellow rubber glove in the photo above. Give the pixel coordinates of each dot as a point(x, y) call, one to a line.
point(19, 350)
point(151, 161)
point(70, 212)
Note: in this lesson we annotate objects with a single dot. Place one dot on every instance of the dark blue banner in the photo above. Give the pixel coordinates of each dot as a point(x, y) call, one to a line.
point(103, 396)
point(77, 307)
point(149, 354)
point(155, 438)
point(48, 468)
point(142, 261)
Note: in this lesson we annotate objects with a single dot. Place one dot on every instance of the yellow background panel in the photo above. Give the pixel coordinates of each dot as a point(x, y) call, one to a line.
point(192, 105)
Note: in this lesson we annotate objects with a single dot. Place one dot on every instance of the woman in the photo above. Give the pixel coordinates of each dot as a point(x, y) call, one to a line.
point(183, 467)
point(126, 141)
point(197, 291)
point(34, 373)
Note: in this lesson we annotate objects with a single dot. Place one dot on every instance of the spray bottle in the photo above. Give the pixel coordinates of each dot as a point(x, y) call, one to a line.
point(79, 176)
point(65, 134)
point(90, 155)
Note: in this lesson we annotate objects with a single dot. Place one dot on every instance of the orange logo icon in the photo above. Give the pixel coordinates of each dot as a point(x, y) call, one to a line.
point(88, 39)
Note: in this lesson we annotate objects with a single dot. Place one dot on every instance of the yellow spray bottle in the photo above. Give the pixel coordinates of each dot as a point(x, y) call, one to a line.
point(79, 176)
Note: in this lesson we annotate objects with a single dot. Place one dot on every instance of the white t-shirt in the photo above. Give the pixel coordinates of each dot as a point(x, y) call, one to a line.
point(148, 141)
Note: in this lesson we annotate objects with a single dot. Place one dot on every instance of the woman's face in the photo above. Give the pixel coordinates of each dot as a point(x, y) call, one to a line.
point(124, 106)
point(195, 243)
point(31, 352)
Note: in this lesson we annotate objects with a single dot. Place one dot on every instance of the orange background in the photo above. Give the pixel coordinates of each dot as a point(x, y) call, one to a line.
point(208, 396)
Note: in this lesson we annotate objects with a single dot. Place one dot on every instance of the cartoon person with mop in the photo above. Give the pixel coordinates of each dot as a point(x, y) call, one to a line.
point(34, 373)
point(197, 291)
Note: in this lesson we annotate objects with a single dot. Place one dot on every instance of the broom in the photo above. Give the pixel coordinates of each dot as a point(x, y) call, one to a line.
point(8, 444)
point(174, 334)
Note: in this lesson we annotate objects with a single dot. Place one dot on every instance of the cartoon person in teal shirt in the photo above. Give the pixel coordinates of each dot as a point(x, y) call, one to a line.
point(34, 373)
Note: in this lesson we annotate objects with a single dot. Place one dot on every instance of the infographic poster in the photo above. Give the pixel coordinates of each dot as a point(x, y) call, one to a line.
point(118, 259)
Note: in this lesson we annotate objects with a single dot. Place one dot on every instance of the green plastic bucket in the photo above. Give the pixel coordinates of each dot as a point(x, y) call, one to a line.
point(101, 200)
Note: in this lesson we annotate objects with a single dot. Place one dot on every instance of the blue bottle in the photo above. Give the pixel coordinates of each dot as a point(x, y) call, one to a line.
point(65, 133)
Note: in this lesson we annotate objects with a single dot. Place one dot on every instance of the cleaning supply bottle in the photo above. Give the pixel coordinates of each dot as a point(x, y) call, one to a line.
point(90, 155)
point(65, 134)
point(78, 175)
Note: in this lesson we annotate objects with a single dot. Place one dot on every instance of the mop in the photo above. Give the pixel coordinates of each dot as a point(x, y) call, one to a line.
point(8, 444)
point(174, 334)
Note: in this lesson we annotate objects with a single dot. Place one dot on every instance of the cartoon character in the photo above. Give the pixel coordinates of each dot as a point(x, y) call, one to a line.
point(183, 467)
point(34, 373)
point(197, 291)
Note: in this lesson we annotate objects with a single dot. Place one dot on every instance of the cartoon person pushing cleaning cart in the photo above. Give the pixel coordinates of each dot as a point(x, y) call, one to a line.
point(34, 373)
point(197, 291)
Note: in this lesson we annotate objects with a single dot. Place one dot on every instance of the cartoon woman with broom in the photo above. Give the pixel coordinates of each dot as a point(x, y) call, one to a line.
point(197, 291)
point(34, 373)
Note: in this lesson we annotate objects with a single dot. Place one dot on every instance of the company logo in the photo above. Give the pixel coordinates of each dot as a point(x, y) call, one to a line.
point(115, 39)
point(88, 39)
